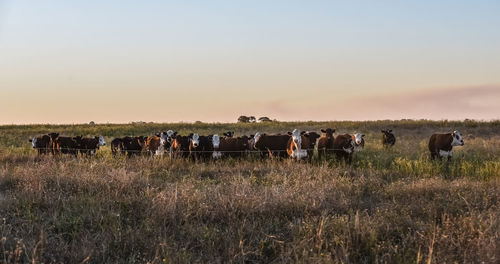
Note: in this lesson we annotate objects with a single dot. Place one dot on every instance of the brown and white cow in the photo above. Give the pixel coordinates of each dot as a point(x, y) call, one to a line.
point(301, 144)
point(441, 145)
point(343, 147)
point(89, 146)
point(325, 142)
point(359, 141)
point(42, 143)
point(388, 138)
point(271, 145)
point(159, 143)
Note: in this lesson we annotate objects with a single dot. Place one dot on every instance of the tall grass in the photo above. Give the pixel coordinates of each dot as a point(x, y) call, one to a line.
point(392, 206)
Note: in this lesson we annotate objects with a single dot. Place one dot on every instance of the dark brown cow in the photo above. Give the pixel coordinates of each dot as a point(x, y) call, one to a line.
point(388, 138)
point(343, 147)
point(132, 145)
point(441, 145)
point(42, 143)
point(116, 146)
point(67, 145)
point(205, 149)
point(271, 145)
point(232, 147)
point(301, 144)
point(89, 146)
point(180, 146)
point(325, 142)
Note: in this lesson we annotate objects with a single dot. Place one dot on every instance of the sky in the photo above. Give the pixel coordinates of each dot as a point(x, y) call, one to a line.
point(212, 61)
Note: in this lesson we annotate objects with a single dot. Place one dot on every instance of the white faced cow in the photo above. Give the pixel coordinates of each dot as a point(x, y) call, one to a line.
point(441, 145)
point(359, 141)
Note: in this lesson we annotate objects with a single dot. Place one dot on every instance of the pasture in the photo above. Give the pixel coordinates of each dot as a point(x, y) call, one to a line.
point(388, 206)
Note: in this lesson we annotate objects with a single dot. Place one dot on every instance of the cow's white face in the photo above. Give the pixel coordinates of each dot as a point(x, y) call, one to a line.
point(457, 139)
point(358, 138)
point(101, 141)
point(169, 133)
point(215, 141)
point(33, 142)
point(256, 137)
point(195, 139)
point(297, 138)
point(163, 138)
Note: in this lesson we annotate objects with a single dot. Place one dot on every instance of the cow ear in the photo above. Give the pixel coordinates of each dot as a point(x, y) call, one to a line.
point(303, 132)
point(289, 133)
point(363, 135)
point(333, 130)
point(323, 131)
point(390, 130)
point(190, 135)
point(383, 131)
point(251, 136)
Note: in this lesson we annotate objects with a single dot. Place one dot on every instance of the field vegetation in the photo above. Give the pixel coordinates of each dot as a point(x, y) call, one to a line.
point(388, 206)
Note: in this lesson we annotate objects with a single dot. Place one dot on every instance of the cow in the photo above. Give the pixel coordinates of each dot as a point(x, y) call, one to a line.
point(204, 149)
point(301, 144)
point(157, 144)
point(180, 146)
point(231, 147)
point(194, 142)
point(271, 145)
point(42, 143)
point(388, 138)
point(128, 145)
point(359, 141)
point(325, 142)
point(67, 145)
point(89, 146)
point(116, 146)
point(343, 147)
point(441, 145)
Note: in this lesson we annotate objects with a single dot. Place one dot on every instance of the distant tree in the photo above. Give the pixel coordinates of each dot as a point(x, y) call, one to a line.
point(243, 119)
point(265, 119)
point(252, 119)
point(91, 123)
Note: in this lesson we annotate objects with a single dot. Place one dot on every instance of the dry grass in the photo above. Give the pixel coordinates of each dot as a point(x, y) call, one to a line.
point(394, 207)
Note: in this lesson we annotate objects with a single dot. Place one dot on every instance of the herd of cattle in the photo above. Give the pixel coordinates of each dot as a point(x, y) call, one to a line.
point(296, 145)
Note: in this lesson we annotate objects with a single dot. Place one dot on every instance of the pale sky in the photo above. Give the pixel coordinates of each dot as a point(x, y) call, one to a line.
point(169, 61)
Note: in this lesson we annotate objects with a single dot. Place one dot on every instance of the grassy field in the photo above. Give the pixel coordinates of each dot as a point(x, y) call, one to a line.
point(392, 206)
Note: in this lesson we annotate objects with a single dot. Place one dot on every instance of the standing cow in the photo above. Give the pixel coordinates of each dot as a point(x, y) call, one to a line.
point(343, 147)
point(325, 142)
point(42, 143)
point(89, 146)
point(388, 138)
point(441, 145)
point(271, 145)
point(301, 144)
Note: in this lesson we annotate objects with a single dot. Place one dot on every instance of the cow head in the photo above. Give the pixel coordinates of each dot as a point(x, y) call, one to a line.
point(195, 139)
point(296, 137)
point(170, 134)
point(312, 137)
point(33, 142)
point(457, 139)
point(215, 141)
point(229, 134)
point(358, 138)
point(101, 141)
point(256, 137)
point(328, 132)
